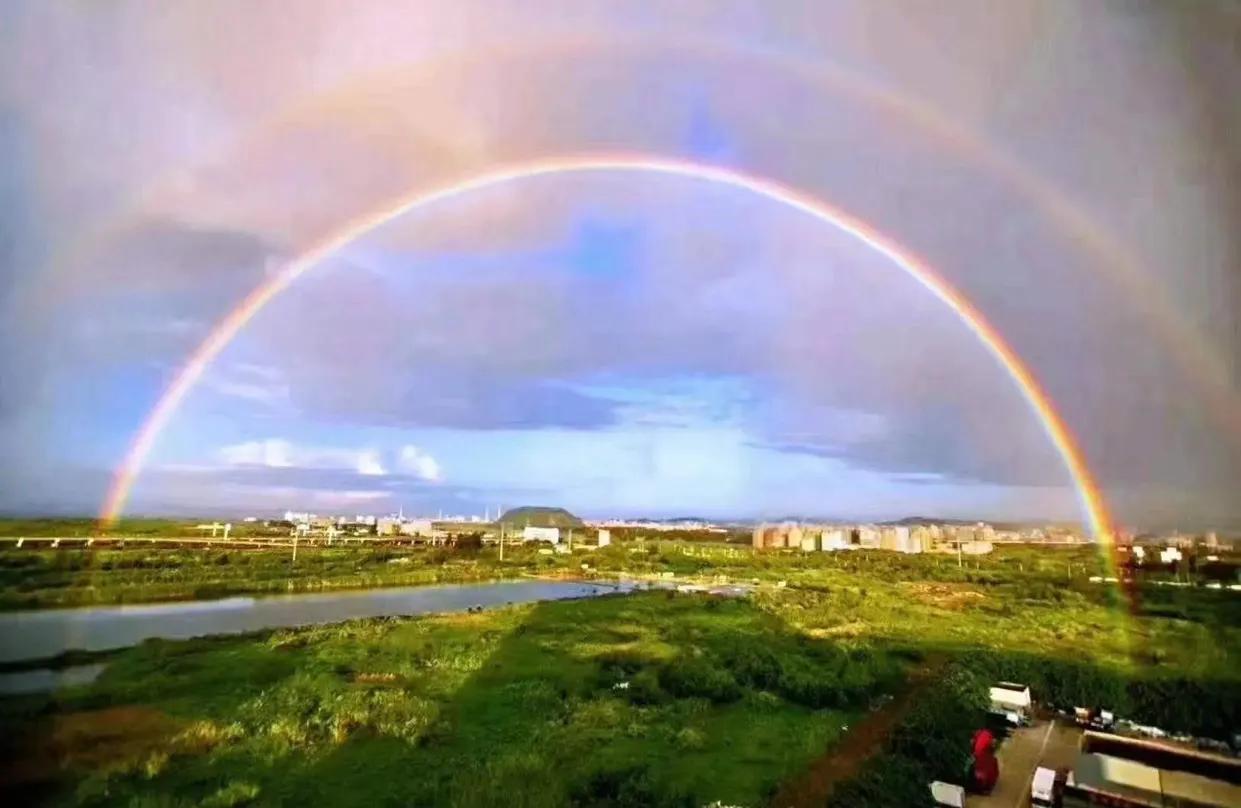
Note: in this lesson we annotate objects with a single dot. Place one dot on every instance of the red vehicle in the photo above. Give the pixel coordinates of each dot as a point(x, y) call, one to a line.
point(986, 767)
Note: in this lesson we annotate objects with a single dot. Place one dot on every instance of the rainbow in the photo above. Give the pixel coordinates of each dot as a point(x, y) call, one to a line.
point(1203, 366)
point(1092, 500)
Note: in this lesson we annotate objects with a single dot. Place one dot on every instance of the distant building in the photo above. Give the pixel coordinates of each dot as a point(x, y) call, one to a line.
point(868, 537)
point(904, 540)
point(423, 528)
point(834, 538)
point(605, 537)
point(766, 537)
point(550, 534)
point(1170, 555)
point(793, 535)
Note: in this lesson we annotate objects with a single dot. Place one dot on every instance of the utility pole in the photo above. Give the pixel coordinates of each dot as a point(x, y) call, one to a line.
point(295, 532)
point(501, 541)
point(958, 555)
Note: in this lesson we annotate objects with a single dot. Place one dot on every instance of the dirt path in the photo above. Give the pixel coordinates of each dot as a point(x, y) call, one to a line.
point(863, 740)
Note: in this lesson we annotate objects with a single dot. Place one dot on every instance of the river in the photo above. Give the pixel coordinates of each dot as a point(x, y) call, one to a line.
point(34, 635)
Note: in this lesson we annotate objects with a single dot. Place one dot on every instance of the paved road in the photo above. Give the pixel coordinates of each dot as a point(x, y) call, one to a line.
point(1047, 743)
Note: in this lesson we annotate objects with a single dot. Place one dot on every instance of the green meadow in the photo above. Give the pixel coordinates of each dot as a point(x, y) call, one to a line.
point(873, 662)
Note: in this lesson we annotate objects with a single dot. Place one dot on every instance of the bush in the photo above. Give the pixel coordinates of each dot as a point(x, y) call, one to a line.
point(628, 787)
point(886, 781)
point(644, 688)
point(468, 544)
point(687, 677)
point(755, 666)
point(235, 793)
point(812, 688)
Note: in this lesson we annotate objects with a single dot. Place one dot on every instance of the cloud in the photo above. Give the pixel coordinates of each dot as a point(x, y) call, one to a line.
point(278, 453)
point(419, 463)
point(272, 453)
point(369, 464)
point(261, 385)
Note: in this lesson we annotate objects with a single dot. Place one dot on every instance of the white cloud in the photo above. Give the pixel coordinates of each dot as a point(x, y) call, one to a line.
point(247, 381)
point(419, 463)
point(369, 463)
point(281, 453)
point(273, 453)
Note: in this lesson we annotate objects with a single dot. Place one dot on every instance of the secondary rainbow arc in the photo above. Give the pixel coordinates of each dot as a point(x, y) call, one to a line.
point(1093, 503)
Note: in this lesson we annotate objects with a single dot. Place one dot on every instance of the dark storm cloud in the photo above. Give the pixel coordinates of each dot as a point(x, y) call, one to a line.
point(145, 297)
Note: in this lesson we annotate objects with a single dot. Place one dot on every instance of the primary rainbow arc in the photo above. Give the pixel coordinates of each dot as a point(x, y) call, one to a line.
point(1089, 493)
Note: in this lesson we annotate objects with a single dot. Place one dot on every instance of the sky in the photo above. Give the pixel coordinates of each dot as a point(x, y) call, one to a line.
point(622, 343)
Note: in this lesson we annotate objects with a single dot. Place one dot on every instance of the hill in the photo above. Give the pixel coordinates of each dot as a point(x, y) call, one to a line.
point(536, 516)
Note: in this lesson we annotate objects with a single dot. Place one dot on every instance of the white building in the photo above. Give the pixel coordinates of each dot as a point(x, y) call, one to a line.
point(868, 537)
point(605, 537)
point(551, 534)
point(904, 543)
point(1169, 555)
point(834, 538)
point(417, 527)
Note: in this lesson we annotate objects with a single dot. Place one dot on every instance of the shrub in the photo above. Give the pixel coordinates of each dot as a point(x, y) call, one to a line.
point(235, 793)
point(627, 787)
point(644, 688)
point(687, 677)
point(886, 781)
point(754, 666)
point(809, 687)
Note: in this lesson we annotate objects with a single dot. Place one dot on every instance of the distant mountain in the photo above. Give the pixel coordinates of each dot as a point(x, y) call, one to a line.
point(534, 516)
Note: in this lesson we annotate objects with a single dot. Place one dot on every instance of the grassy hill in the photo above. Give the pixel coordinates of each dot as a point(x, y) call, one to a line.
point(535, 516)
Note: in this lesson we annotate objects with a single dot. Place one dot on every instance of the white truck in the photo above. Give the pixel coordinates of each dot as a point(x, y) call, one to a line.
point(1009, 697)
point(1044, 790)
point(948, 794)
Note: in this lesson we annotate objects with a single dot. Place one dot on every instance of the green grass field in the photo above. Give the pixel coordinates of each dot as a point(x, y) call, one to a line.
point(651, 699)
